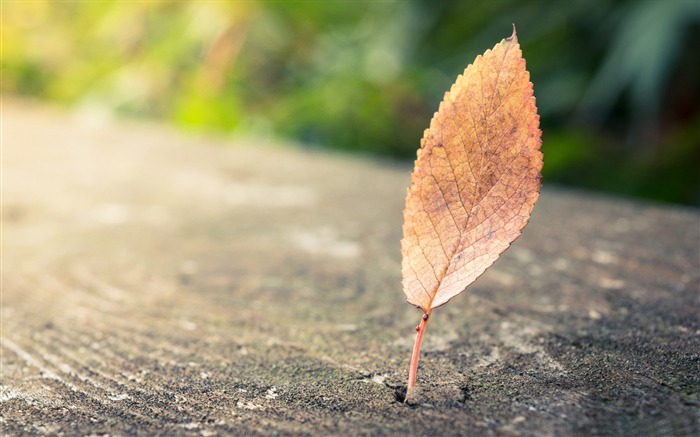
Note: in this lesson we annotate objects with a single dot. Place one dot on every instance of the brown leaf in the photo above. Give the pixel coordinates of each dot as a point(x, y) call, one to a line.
point(476, 178)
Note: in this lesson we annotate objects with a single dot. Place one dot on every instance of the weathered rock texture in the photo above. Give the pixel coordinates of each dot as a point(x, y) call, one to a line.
point(160, 283)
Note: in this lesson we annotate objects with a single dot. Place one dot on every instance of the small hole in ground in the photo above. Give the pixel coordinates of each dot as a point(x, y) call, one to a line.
point(400, 394)
point(466, 395)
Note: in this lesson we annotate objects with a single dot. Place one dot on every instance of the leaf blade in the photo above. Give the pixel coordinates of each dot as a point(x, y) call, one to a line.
point(476, 178)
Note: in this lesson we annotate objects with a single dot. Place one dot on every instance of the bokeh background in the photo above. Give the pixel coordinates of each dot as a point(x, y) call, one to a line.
point(617, 82)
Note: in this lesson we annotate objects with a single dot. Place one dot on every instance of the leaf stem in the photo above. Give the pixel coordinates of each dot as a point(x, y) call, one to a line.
point(420, 330)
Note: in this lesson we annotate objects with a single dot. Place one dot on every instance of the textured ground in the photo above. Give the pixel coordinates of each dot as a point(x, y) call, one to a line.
point(160, 283)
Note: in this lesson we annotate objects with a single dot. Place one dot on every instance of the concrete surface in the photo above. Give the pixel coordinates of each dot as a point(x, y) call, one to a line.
point(160, 283)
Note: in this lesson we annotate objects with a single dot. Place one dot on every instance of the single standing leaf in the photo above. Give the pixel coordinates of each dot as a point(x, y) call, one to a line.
point(475, 182)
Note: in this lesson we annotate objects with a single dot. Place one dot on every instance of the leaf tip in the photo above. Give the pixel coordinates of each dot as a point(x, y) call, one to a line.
point(514, 36)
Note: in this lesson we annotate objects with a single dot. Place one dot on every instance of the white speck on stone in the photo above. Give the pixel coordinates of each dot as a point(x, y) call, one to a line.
point(189, 267)
point(493, 356)
point(271, 393)
point(325, 241)
point(611, 283)
point(7, 393)
point(379, 379)
point(188, 325)
point(603, 257)
point(249, 406)
point(561, 264)
point(502, 278)
point(534, 270)
point(204, 375)
point(523, 255)
point(440, 343)
point(119, 397)
point(191, 425)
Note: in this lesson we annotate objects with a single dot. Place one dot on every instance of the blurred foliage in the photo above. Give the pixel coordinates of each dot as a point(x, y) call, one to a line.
point(617, 82)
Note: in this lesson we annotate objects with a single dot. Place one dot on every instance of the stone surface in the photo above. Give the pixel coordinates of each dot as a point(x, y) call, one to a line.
point(156, 282)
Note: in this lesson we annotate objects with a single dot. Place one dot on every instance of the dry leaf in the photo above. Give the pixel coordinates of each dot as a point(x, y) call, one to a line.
point(475, 182)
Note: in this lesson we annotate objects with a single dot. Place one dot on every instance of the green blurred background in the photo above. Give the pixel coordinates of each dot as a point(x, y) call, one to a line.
point(617, 82)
